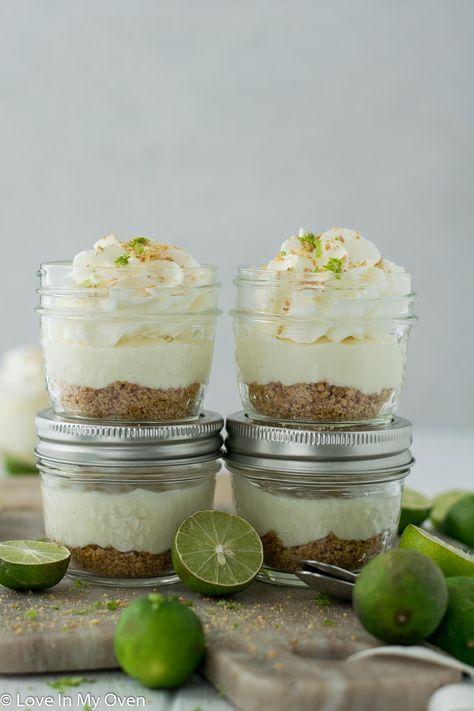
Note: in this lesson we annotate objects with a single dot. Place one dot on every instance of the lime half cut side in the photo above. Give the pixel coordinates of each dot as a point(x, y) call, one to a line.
point(216, 553)
point(452, 561)
point(32, 565)
point(415, 509)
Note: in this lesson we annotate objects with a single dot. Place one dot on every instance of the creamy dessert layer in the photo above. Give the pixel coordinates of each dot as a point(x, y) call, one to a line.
point(151, 364)
point(342, 531)
point(297, 520)
point(140, 520)
point(368, 365)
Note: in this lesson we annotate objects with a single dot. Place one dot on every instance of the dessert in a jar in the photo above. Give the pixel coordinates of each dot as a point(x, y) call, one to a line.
point(321, 331)
point(311, 494)
point(22, 394)
point(127, 330)
point(115, 495)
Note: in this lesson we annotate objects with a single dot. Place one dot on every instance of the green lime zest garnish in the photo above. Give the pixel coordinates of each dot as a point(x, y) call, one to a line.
point(322, 599)
point(31, 614)
point(308, 239)
point(122, 260)
point(334, 265)
point(138, 244)
point(65, 682)
point(318, 249)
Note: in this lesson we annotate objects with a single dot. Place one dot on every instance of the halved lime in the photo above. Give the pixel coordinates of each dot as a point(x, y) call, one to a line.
point(441, 505)
point(32, 565)
point(216, 553)
point(415, 509)
point(452, 561)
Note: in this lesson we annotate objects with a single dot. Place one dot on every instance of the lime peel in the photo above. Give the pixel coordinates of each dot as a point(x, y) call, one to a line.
point(32, 565)
point(452, 561)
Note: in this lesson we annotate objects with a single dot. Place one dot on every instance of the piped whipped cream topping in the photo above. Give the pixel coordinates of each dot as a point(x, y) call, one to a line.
point(131, 290)
point(335, 251)
point(335, 283)
point(138, 263)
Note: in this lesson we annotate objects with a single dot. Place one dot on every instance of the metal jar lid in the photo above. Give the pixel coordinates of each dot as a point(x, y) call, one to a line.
point(318, 450)
point(113, 444)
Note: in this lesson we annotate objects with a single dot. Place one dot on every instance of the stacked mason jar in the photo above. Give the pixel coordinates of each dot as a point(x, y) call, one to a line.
point(317, 458)
point(319, 455)
point(126, 453)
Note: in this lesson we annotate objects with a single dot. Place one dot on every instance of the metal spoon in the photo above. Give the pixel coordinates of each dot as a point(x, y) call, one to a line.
point(334, 571)
point(327, 578)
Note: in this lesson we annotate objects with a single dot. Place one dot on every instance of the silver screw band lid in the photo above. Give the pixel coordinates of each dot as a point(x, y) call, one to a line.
point(302, 448)
point(109, 443)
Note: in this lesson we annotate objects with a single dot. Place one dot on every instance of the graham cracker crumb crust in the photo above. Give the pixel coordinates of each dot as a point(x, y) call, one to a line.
point(346, 553)
point(317, 401)
point(127, 401)
point(111, 563)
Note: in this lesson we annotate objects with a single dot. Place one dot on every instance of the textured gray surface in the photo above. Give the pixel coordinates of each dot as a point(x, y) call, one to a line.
point(268, 647)
point(225, 126)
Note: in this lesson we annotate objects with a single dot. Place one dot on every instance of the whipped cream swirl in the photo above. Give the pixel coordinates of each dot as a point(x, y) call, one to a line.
point(130, 290)
point(333, 285)
point(138, 263)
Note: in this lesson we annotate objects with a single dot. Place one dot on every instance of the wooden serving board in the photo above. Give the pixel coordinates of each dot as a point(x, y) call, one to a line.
point(267, 647)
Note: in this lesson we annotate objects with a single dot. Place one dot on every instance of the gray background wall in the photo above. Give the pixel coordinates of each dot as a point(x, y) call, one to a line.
point(224, 126)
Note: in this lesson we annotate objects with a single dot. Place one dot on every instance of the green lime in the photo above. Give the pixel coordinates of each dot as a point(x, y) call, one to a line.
point(216, 553)
point(452, 561)
point(459, 521)
point(415, 509)
point(400, 597)
point(441, 504)
point(455, 634)
point(159, 641)
point(13, 465)
point(32, 565)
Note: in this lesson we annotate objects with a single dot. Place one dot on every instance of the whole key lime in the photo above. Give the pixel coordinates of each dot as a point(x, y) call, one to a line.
point(455, 634)
point(159, 641)
point(400, 596)
point(459, 521)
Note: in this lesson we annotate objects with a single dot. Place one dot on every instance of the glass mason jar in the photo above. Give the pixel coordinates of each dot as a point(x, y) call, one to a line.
point(126, 352)
point(329, 496)
point(115, 496)
point(322, 349)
